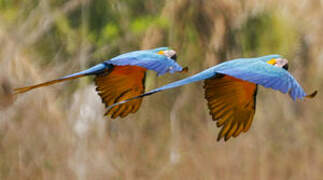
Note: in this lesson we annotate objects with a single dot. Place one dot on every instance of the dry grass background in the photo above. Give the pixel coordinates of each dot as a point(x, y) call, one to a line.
point(59, 132)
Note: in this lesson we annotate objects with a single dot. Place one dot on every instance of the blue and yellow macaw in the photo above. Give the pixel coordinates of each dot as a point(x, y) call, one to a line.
point(123, 77)
point(231, 89)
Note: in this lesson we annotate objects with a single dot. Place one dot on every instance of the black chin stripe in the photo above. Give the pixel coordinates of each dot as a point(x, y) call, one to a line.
point(174, 57)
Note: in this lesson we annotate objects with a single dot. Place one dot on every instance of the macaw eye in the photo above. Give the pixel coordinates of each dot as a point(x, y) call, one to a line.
point(174, 57)
point(279, 62)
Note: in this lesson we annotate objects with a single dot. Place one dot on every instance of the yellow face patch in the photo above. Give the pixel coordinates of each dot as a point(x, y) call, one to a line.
point(161, 52)
point(272, 61)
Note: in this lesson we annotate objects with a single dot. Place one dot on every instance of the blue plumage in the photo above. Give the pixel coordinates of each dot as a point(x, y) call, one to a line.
point(161, 60)
point(255, 70)
point(91, 71)
point(149, 59)
point(231, 89)
point(258, 71)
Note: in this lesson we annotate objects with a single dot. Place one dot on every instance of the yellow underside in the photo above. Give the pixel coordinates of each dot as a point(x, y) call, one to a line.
point(231, 104)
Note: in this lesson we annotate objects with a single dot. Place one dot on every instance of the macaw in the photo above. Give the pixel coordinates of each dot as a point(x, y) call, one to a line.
point(231, 90)
point(123, 77)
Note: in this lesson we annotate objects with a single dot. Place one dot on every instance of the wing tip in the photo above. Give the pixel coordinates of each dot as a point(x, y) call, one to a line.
point(312, 95)
point(219, 137)
point(223, 136)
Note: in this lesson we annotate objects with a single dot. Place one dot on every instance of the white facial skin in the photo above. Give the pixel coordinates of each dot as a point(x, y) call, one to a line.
point(169, 53)
point(280, 62)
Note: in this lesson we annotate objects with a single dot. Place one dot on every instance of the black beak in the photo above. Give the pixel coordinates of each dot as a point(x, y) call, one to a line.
point(174, 57)
point(285, 67)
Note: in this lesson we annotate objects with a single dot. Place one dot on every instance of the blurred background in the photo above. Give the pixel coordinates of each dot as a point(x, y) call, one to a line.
point(59, 132)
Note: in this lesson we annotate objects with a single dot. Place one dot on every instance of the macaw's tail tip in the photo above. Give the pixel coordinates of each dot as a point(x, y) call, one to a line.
point(20, 90)
point(48, 83)
point(6, 94)
point(312, 95)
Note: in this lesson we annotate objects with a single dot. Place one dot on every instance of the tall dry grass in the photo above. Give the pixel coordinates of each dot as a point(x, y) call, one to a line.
point(59, 132)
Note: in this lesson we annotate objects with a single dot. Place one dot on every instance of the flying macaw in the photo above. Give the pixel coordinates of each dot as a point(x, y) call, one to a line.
point(231, 89)
point(123, 77)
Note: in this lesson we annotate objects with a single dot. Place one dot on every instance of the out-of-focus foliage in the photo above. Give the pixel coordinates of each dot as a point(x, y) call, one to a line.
point(59, 132)
point(268, 33)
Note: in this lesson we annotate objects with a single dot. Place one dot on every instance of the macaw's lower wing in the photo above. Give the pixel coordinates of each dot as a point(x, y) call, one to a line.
point(232, 104)
point(197, 77)
point(267, 75)
point(123, 82)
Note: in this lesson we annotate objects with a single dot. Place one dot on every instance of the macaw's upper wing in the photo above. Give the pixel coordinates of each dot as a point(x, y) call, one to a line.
point(264, 74)
point(120, 83)
point(152, 61)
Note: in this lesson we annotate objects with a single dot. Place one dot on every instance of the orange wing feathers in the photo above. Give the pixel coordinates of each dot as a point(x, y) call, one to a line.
point(123, 82)
point(231, 102)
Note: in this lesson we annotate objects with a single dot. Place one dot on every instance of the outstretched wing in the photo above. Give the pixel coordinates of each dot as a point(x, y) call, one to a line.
point(253, 70)
point(149, 60)
point(231, 103)
point(120, 83)
point(262, 73)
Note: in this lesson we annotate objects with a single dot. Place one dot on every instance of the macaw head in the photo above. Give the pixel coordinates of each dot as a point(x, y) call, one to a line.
point(276, 60)
point(171, 54)
point(279, 62)
point(166, 52)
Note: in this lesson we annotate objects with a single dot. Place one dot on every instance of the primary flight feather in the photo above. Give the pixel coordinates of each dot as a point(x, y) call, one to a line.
point(231, 89)
point(123, 77)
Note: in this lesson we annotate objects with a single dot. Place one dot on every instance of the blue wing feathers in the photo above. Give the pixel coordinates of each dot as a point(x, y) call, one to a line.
point(148, 60)
point(280, 86)
point(91, 71)
point(255, 70)
point(259, 72)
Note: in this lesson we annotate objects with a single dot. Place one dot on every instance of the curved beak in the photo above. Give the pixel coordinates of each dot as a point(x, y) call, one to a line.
point(285, 67)
point(185, 70)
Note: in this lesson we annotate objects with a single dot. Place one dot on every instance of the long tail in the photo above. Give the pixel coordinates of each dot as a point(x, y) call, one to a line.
point(91, 71)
